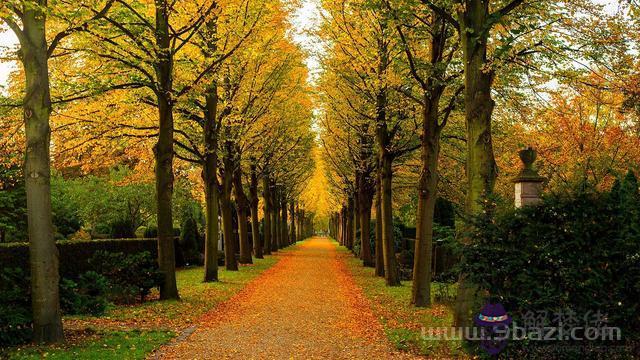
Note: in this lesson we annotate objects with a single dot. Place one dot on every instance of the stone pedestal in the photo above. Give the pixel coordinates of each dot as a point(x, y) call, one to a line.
point(528, 184)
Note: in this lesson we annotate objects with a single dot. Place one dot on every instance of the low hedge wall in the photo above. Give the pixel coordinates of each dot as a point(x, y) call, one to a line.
point(74, 255)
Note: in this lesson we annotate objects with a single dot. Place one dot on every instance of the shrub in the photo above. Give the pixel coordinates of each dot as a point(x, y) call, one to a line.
point(151, 232)
point(140, 231)
point(15, 307)
point(577, 252)
point(130, 277)
point(86, 297)
point(445, 213)
point(121, 229)
point(74, 255)
point(190, 240)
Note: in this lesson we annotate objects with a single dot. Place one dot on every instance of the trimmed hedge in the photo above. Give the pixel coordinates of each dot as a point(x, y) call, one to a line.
point(75, 255)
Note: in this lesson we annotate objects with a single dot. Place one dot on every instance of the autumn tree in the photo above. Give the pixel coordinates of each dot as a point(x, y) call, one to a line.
point(360, 34)
point(29, 20)
point(437, 94)
point(146, 41)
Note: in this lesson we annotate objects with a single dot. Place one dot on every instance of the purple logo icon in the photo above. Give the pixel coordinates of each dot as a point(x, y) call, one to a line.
point(494, 323)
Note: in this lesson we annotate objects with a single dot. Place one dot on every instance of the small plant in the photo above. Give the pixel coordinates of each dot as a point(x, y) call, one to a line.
point(130, 277)
point(86, 297)
point(15, 307)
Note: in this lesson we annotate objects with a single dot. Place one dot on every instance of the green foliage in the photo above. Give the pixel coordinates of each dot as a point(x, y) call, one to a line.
point(130, 277)
point(66, 210)
point(74, 255)
point(109, 206)
point(445, 213)
point(122, 229)
point(86, 297)
point(151, 232)
point(15, 307)
point(579, 251)
point(13, 204)
point(190, 241)
point(110, 346)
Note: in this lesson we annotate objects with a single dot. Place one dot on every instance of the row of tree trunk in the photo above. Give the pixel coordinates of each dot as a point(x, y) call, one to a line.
point(284, 223)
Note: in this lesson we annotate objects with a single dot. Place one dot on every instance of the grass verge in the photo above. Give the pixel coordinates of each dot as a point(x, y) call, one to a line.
point(403, 323)
point(134, 331)
point(114, 345)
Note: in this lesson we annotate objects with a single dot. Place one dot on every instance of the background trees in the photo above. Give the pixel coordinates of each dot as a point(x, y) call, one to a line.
point(502, 75)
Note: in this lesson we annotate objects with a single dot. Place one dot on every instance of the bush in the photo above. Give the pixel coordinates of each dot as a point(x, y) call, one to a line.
point(151, 232)
point(74, 255)
point(190, 241)
point(577, 252)
point(121, 229)
point(15, 307)
point(86, 297)
point(140, 231)
point(445, 213)
point(130, 277)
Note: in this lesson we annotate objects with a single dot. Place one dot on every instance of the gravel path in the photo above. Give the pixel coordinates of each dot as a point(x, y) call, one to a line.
point(305, 307)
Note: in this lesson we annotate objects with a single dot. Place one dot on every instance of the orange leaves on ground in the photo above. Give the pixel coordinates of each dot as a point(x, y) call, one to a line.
point(307, 306)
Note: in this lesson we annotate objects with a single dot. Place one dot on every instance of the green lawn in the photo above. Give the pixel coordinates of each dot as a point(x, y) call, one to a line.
point(111, 345)
point(404, 323)
point(147, 326)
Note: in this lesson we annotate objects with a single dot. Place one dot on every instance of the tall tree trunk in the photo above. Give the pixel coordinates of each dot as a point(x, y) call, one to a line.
point(43, 254)
point(366, 189)
point(379, 252)
point(209, 175)
point(210, 170)
point(164, 153)
point(365, 228)
point(212, 232)
point(275, 216)
point(301, 234)
point(481, 165)
point(266, 199)
point(427, 193)
point(391, 271)
point(294, 218)
point(356, 220)
point(284, 223)
point(226, 207)
point(242, 204)
point(255, 222)
point(350, 223)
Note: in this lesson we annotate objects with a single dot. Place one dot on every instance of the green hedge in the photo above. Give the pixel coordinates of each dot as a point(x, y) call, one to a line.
point(75, 255)
point(576, 253)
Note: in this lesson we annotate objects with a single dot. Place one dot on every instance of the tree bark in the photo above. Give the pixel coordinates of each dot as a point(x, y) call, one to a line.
point(227, 210)
point(379, 252)
point(301, 234)
point(391, 271)
point(266, 199)
point(294, 217)
point(164, 153)
point(275, 217)
point(210, 170)
point(350, 232)
point(255, 222)
point(366, 188)
point(209, 174)
point(365, 229)
point(242, 204)
point(481, 165)
point(284, 223)
point(427, 194)
point(43, 254)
